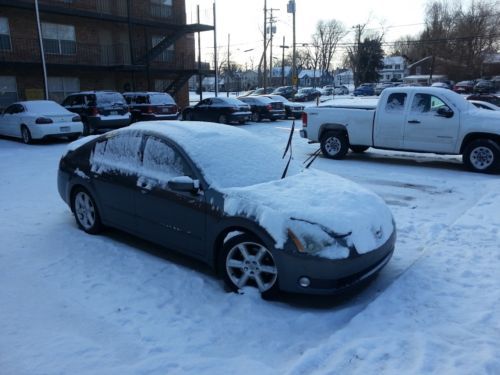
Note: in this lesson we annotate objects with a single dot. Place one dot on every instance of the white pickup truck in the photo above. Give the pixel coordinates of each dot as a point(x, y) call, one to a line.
point(417, 119)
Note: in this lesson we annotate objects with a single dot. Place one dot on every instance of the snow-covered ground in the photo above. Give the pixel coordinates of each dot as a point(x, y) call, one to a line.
point(71, 303)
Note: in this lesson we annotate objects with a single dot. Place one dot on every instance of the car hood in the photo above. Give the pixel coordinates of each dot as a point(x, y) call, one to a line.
point(315, 204)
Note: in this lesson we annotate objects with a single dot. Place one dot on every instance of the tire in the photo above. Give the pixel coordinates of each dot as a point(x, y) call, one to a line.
point(245, 261)
point(26, 135)
point(255, 117)
point(72, 138)
point(86, 129)
point(222, 119)
point(334, 145)
point(188, 117)
point(482, 155)
point(86, 212)
point(273, 119)
point(358, 149)
point(241, 122)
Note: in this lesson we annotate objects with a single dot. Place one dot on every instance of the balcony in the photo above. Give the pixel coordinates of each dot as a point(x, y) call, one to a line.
point(92, 56)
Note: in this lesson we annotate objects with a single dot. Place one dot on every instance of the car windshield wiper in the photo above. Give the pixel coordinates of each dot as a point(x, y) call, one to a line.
point(288, 147)
point(312, 158)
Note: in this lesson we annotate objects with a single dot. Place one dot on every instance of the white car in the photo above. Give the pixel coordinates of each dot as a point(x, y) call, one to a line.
point(485, 105)
point(39, 119)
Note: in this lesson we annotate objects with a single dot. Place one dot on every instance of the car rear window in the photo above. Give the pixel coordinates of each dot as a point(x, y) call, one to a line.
point(160, 99)
point(232, 101)
point(110, 98)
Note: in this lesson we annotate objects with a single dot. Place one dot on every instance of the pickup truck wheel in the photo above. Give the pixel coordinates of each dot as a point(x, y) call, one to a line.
point(482, 155)
point(255, 117)
point(358, 149)
point(334, 145)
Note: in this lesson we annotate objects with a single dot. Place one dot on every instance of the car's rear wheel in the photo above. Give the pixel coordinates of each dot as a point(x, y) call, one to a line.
point(255, 117)
point(358, 149)
point(188, 116)
point(86, 212)
point(222, 119)
point(482, 155)
point(245, 262)
point(26, 135)
point(334, 145)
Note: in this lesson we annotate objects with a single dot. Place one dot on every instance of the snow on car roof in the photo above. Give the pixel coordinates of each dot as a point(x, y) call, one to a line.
point(44, 107)
point(227, 156)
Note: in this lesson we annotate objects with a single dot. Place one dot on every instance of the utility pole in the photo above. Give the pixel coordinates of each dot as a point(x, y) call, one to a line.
point(264, 74)
point(357, 81)
point(228, 65)
point(199, 57)
point(283, 46)
point(291, 9)
point(216, 80)
point(42, 52)
point(272, 21)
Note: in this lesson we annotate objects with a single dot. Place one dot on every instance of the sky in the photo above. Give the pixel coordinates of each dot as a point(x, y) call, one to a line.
point(244, 19)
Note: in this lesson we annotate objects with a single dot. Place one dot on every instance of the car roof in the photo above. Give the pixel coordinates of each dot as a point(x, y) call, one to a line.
point(145, 93)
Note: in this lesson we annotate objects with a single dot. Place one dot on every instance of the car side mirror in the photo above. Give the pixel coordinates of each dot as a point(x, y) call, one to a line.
point(184, 183)
point(445, 112)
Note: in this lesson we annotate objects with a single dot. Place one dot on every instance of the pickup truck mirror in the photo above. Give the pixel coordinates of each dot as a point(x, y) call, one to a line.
point(445, 112)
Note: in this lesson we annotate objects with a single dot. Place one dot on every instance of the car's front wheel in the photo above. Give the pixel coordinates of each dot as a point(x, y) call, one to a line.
point(334, 144)
point(222, 119)
point(86, 213)
point(188, 116)
point(245, 261)
point(255, 117)
point(482, 155)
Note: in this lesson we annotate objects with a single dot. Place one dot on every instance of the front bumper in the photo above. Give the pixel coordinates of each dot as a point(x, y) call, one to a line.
point(329, 276)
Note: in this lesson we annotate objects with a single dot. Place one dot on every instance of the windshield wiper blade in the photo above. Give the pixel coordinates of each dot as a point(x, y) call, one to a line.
point(312, 158)
point(288, 147)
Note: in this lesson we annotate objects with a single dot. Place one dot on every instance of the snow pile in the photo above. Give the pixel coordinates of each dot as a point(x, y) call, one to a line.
point(315, 197)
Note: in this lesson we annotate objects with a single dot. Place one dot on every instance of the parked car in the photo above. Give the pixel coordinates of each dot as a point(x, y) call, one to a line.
point(379, 87)
point(180, 186)
point(291, 109)
point(484, 87)
point(306, 94)
point(464, 87)
point(39, 119)
point(262, 91)
point(485, 105)
point(341, 90)
point(493, 99)
point(264, 108)
point(365, 89)
point(222, 110)
point(147, 106)
point(285, 91)
point(99, 110)
point(442, 85)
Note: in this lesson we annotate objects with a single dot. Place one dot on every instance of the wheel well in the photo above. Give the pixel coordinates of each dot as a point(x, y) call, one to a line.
point(219, 241)
point(475, 136)
point(332, 127)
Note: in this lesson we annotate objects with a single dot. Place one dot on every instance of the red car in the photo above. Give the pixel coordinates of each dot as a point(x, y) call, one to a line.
point(464, 87)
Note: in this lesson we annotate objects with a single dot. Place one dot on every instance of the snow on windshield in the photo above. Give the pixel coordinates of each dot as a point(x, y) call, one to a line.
point(227, 156)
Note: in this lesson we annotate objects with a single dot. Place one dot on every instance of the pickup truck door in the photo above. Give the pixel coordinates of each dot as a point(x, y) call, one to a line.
point(431, 125)
point(389, 121)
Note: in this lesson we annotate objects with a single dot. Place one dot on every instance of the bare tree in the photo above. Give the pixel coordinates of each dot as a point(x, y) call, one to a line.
point(327, 36)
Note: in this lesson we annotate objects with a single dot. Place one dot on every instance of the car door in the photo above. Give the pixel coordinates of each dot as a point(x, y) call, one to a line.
point(171, 218)
point(389, 122)
point(200, 111)
point(13, 119)
point(114, 166)
point(427, 128)
point(6, 120)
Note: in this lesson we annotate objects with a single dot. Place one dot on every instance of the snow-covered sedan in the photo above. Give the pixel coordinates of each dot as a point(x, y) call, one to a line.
point(216, 193)
point(39, 119)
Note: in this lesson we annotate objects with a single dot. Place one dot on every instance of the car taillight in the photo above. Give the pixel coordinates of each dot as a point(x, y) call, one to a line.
point(269, 107)
point(43, 120)
point(94, 111)
point(173, 109)
point(234, 109)
point(76, 119)
point(149, 109)
point(304, 120)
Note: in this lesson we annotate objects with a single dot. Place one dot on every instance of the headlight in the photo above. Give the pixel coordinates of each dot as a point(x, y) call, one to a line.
point(309, 238)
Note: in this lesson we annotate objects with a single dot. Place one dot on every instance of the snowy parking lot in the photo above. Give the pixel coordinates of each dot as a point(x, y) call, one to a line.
point(113, 304)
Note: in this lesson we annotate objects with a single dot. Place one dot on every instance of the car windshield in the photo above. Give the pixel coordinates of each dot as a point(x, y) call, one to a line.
point(227, 156)
point(278, 98)
point(107, 98)
point(160, 99)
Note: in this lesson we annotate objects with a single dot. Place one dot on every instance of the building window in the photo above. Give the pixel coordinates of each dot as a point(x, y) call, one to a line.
point(8, 91)
point(58, 39)
point(397, 66)
point(168, 54)
point(60, 87)
point(4, 34)
point(161, 8)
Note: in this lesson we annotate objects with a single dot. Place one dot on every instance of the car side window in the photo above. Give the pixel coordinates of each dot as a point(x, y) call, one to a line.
point(117, 154)
point(162, 162)
point(78, 100)
point(396, 102)
point(10, 109)
point(426, 103)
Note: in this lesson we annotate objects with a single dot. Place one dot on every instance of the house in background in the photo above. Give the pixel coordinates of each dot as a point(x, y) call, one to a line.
point(314, 78)
point(394, 69)
point(343, 77)
point(95, 45)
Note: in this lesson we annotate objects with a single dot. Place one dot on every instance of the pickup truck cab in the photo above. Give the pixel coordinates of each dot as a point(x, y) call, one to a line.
point(416, 119)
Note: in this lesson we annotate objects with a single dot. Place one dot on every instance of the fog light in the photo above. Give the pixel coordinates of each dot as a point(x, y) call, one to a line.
point(304, 282)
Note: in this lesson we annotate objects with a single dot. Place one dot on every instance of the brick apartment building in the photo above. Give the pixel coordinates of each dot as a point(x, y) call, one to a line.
point(120, 45)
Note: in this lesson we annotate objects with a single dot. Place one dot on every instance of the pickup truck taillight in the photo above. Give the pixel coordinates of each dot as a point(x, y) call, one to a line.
point(304, 120)
point(269, 107)
point(94, 111)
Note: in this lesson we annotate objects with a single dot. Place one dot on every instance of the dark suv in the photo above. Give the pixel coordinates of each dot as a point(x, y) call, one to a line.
point(263, 107)
point(99, 109)
point(147, 106)
point(285, 91)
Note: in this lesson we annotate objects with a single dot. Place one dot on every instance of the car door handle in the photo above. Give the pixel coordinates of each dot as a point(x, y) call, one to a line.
point(413, 122)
